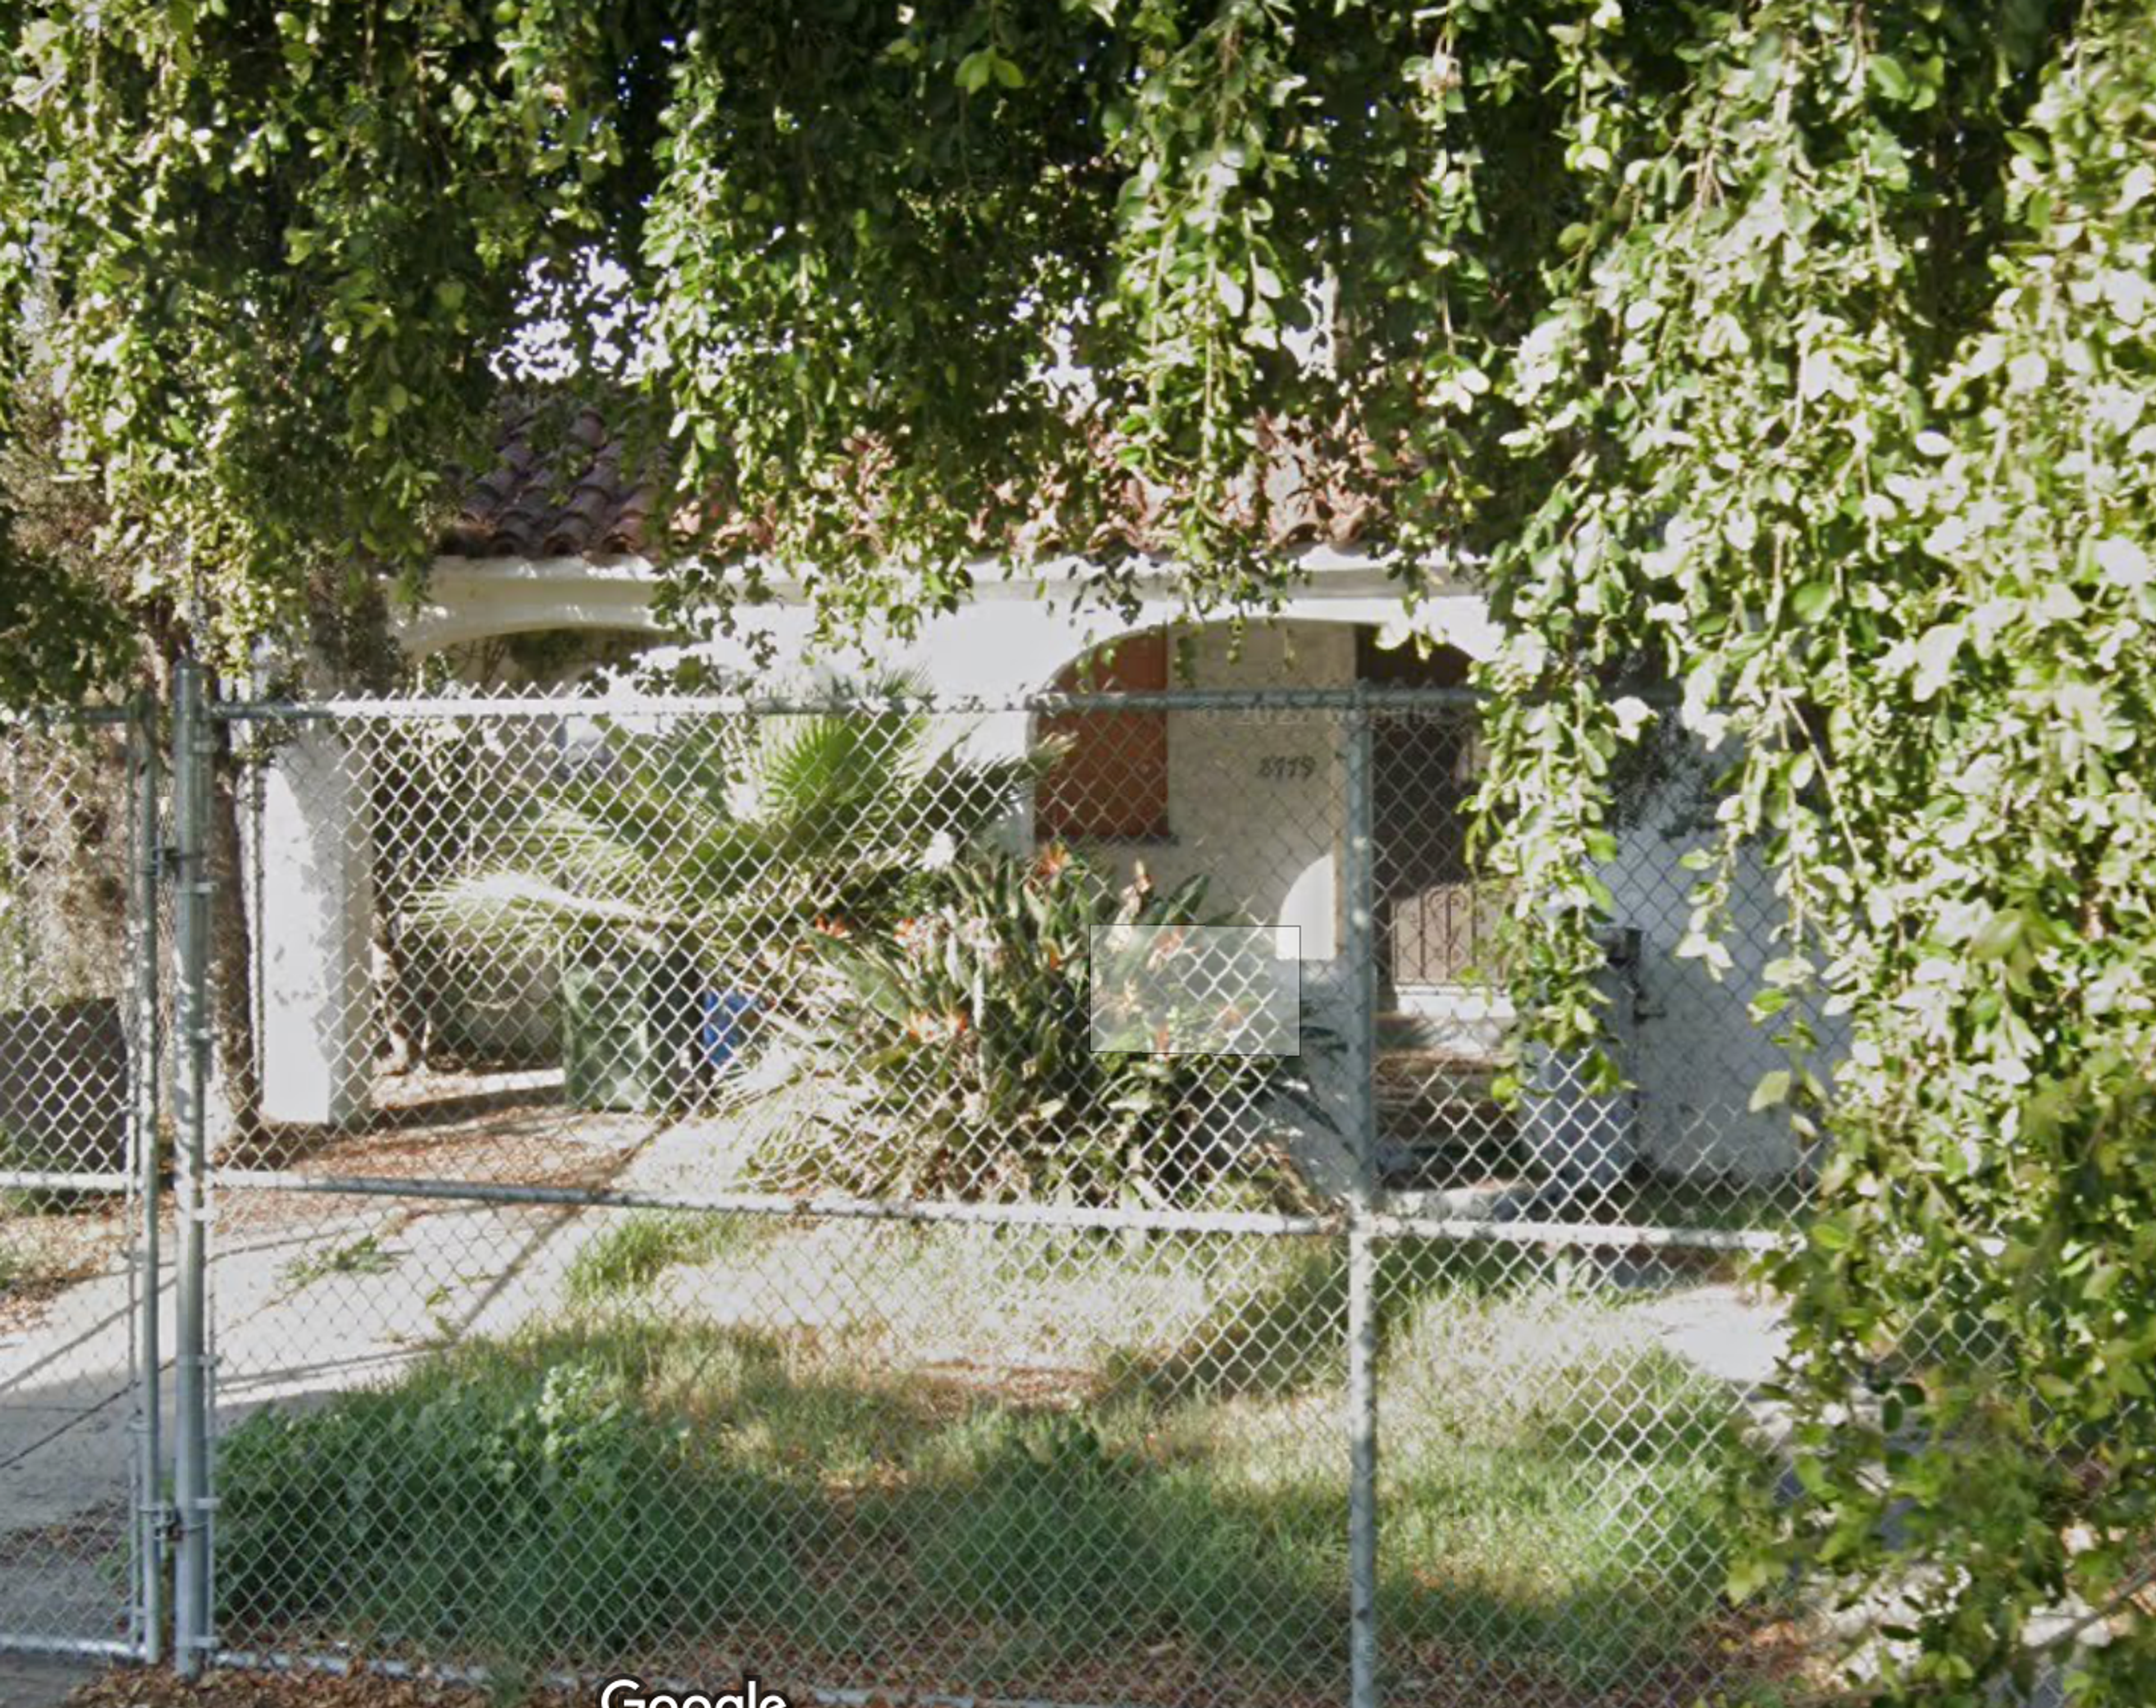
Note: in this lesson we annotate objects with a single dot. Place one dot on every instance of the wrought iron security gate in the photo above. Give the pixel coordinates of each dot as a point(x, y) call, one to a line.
point(679, 1218)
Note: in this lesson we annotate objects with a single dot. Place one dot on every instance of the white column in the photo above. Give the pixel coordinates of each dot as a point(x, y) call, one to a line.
point(315, 899)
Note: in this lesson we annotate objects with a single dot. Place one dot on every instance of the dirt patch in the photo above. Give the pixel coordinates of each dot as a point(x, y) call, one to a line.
point(43, 1253)
point(1164, 1672)
point(85, 1535)
point(490, 1127)
point(509, 1126)
point(439, 1126)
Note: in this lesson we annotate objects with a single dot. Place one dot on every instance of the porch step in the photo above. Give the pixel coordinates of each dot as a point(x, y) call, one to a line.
point(1443, 1096)
point(1440, 1124)
point(1475, 1034)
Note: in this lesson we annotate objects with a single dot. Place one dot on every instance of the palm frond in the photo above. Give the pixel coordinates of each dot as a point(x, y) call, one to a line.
point(507, 913)
point(727, 830)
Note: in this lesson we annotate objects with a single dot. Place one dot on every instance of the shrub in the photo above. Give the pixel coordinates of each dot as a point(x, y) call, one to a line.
point(716, 840)
point(955, 1055)
point(508, 1504)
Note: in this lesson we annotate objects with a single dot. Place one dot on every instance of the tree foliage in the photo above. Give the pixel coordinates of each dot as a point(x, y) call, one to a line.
point(1854, 388)
point(265, 253)
point(1799, 352)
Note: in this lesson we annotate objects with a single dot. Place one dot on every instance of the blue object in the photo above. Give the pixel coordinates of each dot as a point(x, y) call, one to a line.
point(722, 1026)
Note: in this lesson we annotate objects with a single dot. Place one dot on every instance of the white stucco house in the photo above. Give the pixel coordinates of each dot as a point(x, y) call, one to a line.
point(1255, 802)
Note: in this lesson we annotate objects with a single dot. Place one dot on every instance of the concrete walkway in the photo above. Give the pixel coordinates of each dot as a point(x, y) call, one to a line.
point(1721, 1329)
point(311, 1297)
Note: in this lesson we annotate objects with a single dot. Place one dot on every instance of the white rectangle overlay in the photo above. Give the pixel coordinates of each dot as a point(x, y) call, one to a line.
point(1197, 990)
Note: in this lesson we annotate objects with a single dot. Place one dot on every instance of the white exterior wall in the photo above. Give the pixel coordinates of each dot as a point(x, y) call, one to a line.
point(1269, 843)
point(1269, 837)
point(1698, 1054)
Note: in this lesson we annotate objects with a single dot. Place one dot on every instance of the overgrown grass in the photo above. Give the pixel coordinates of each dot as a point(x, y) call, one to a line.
point(943, 1455)
point(632, 1252)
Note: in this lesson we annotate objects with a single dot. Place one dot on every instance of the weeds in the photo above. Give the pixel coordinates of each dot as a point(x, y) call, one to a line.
point(40, 1254)
point(1151, 1467)
point(365, 1255)
point(631, 1254)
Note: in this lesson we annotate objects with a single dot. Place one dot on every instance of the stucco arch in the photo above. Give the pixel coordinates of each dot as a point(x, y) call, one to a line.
point(1459, 621)
point(482, 600)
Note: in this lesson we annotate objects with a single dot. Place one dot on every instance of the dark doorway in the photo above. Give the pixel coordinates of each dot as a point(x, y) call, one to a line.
point(1429, 922)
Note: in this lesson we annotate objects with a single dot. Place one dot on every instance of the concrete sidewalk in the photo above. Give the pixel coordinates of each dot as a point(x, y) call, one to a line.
point(336, 1294)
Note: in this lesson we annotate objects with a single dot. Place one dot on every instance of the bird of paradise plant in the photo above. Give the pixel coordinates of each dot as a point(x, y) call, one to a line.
point(956, 1056)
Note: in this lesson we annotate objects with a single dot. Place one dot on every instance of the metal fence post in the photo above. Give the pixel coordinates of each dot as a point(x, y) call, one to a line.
point(146, 1059)
point(189, 1087)
point(1359, 888)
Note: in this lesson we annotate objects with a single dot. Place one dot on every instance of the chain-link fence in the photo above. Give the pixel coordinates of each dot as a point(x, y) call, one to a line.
point(79, 1352)
point(1017, 1201)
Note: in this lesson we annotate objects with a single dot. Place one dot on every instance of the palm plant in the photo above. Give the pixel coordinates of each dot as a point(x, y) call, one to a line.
point(715, 841)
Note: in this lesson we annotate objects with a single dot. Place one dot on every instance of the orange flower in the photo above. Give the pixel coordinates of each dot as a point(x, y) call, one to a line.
point(830, 927)
point(923, 1027)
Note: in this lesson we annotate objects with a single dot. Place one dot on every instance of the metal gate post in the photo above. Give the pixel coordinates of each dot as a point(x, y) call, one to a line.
point(191, 1491)
point(144, 1061)
point(1358, 887)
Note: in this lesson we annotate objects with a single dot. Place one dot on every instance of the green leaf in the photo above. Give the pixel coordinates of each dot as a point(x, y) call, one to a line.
point(1936, 652)
point(1751, 1573)
point(2123, 562)
point(1890, 79)
point(1772, 1090)
point(1998, 935)
point(1811, 600)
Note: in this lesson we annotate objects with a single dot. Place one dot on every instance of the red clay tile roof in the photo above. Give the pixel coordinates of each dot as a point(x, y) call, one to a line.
point(572, 499)
point(577, 499)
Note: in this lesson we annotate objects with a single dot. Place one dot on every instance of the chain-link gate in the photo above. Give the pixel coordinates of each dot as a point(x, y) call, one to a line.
point(80, 1354)
point(1008, 1201)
